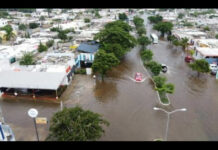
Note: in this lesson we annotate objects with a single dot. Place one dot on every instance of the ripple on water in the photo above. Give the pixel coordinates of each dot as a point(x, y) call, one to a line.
point(195, 85)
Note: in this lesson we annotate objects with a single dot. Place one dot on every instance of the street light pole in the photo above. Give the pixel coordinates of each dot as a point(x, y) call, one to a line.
point(33, 113)
point(168, 120)
point(168, 117)
point(34, 120)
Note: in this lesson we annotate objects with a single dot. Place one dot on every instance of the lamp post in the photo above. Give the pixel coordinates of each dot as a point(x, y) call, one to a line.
point(33, 113)
point(168, 117)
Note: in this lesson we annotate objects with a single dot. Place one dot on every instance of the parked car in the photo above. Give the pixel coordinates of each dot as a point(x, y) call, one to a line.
point(213, 68)
point(188, 59)
point(138, 76)
point(164, 68)
point(213, 72)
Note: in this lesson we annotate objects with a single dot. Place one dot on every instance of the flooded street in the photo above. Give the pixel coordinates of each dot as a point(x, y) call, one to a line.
point(128, 105)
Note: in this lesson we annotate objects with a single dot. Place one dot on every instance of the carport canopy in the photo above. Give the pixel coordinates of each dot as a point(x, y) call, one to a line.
point(31, 80)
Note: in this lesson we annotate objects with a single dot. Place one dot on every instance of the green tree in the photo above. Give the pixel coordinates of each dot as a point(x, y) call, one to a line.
point(62, 35)
point(9, 32)
point(159, 81)
point(42, 18)
point(154, 67)
point(144, 41)
point(155, 19)
point(123, 16)
point(146, 55)
point(116, 34)
point(86, 20)
point(171, 38)
point(76, 124)
point(22, 27)
point(184, 43)
point(141, 31)
point(3, 14)
point(138, 21)
point(163, 27)
point(216, 36)
point(206, 28)
point(104, 62)
point(114, 48)
point(42, 48)
point(201, 66)
point(33, 25)
point(0, 40)
point(161, 86)
point(49, 43)
point(176, 42)
point(27, 59)
point(180, 15)
point(123, 25)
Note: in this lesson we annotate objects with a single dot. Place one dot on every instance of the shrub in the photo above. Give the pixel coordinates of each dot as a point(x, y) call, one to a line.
point(33, 25)
point(42, 48)
point(146, 55)
point(80, 71)
point(49, 43)
point(159, 81)
point(154, 67)
point(27, 59)
point(22, 27)
point(86, 20)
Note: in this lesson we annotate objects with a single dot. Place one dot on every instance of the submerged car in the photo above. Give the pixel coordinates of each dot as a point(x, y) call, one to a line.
point(138, 76)
point(164, 68)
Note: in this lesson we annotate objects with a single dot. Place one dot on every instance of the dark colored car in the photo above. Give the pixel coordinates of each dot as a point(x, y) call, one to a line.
point(188, 59)
point(164, 68)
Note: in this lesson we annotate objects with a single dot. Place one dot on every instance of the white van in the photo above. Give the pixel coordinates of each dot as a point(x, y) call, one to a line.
point(154, 38)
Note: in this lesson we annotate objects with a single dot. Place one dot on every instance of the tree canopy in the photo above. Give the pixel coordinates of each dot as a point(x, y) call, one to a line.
point(104, 62)
point(155, 19)
point(141, 31)
point(154, 67)
point(123, 25)
point(163, 27)
point(161, 86)
point(138, 21)
point(146, 55)
point(76, 124)
point(22, 27)
point(123, 16)
point(201, 66)
point(144, 41)
point(33, 25)
point(115, 34)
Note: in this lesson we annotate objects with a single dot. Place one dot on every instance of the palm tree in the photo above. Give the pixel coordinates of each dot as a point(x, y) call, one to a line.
point(184, 43)
point(9, 32)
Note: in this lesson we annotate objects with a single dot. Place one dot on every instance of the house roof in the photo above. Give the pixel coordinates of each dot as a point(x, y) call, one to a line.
point(89, 48)
point(31, 80)
point(205, 51)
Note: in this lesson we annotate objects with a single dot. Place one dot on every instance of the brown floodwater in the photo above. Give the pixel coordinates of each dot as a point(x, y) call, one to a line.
point(128, 105)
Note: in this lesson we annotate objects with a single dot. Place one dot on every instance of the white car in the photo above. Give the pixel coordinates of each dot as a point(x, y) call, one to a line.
point(213, 67)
